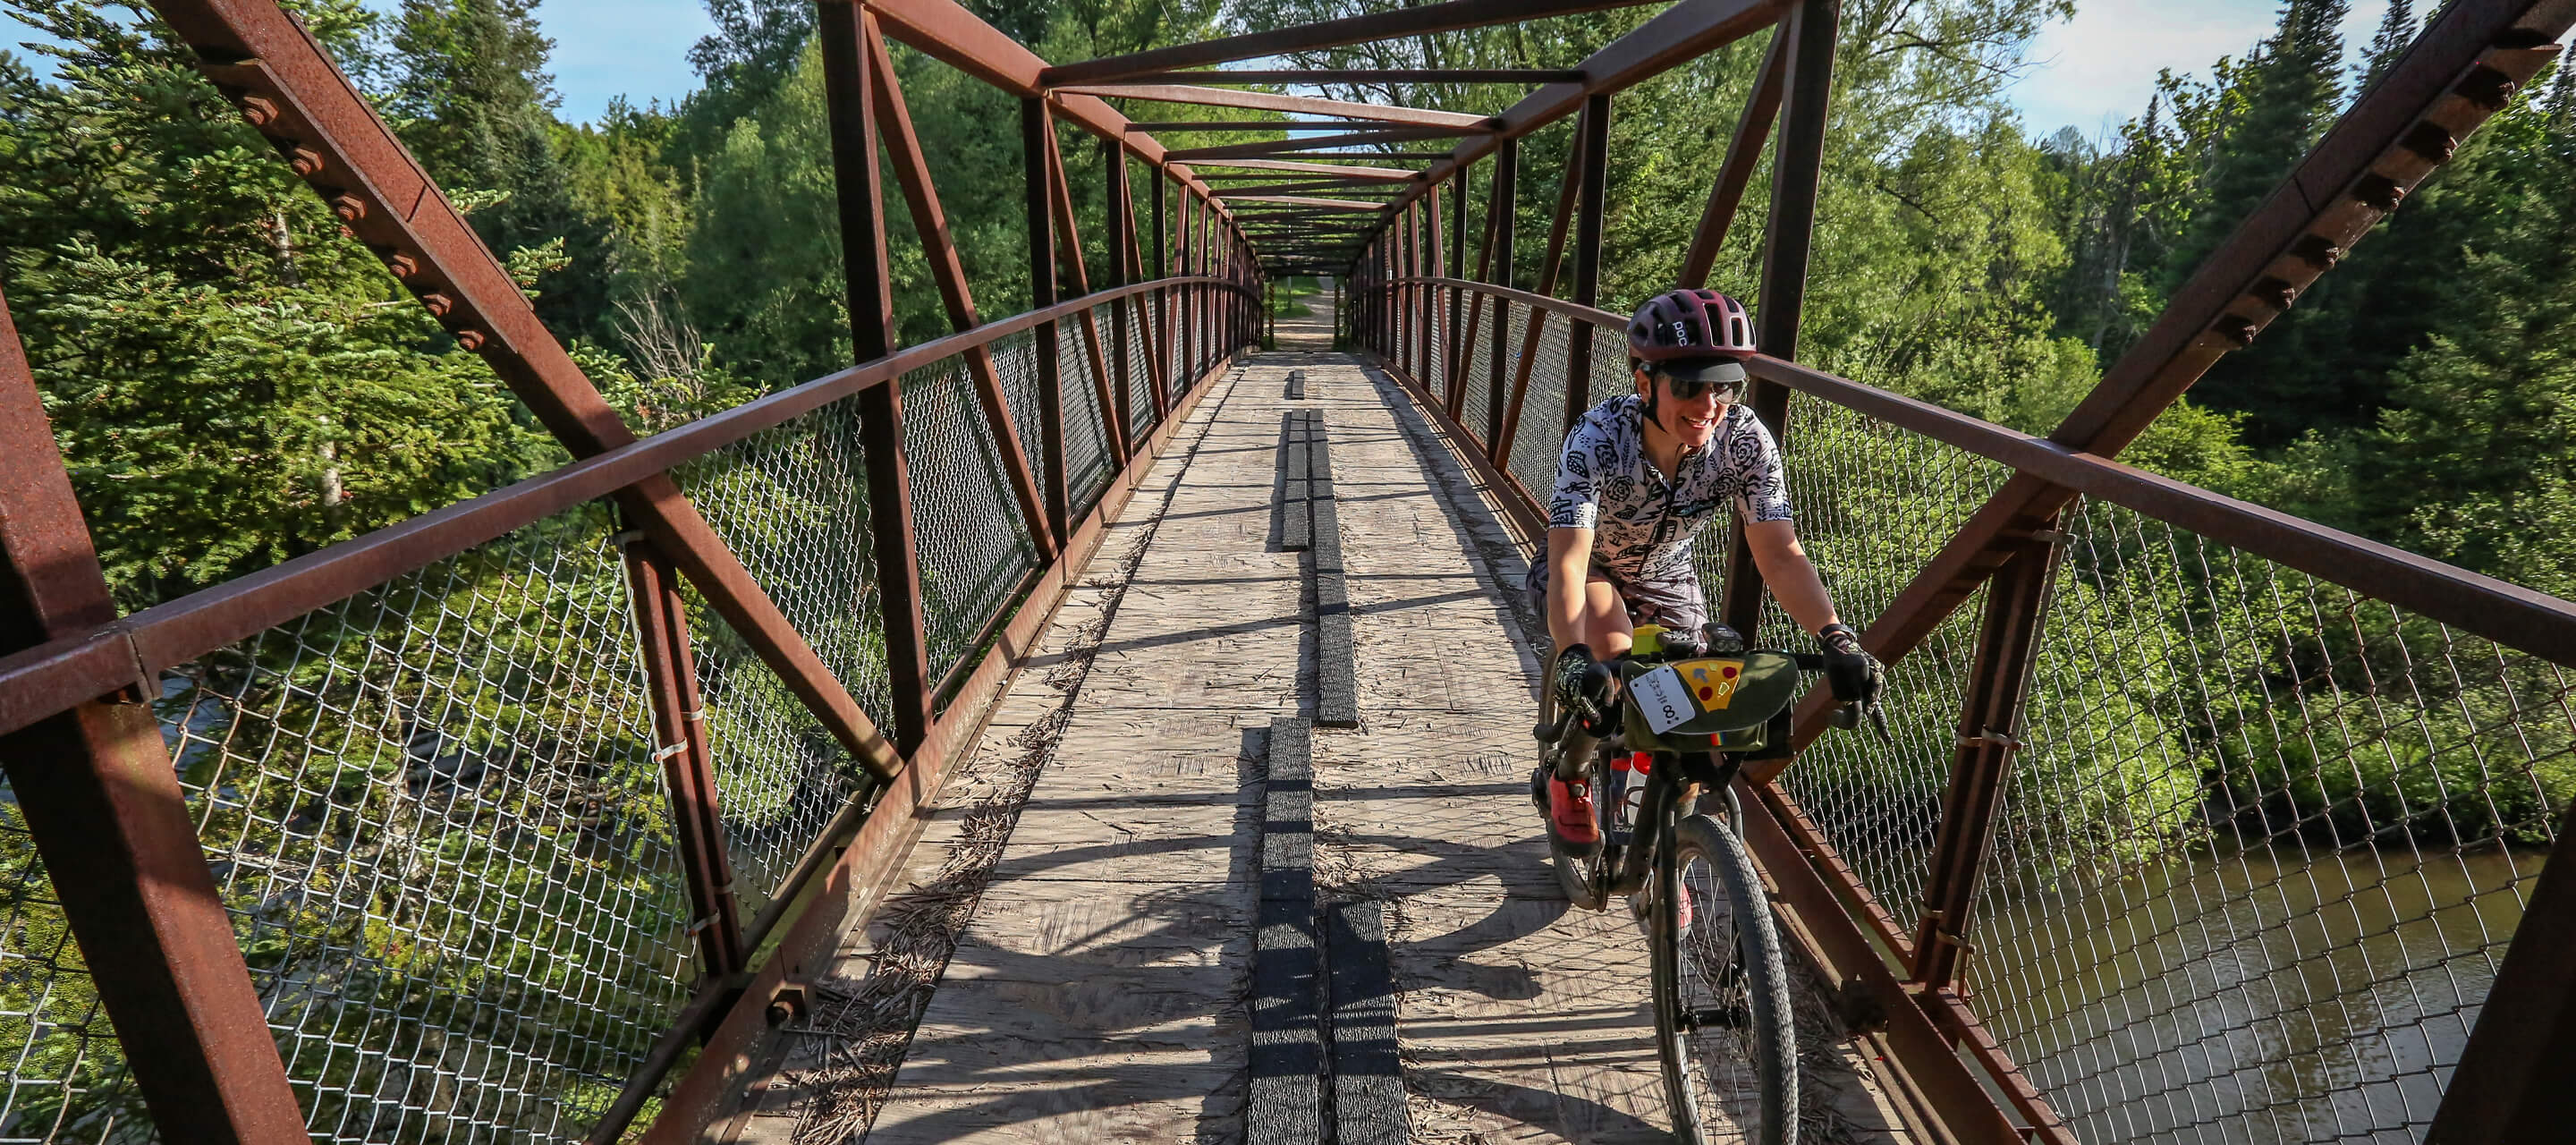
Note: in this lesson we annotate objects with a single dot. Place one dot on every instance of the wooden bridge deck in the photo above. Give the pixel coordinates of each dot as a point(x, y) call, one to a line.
point(1074, 929)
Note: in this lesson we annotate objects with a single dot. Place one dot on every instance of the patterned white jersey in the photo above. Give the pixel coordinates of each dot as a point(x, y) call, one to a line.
point(1643, 522)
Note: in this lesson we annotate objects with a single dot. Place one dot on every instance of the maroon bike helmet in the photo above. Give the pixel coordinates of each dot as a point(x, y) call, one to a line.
point(1683, 324)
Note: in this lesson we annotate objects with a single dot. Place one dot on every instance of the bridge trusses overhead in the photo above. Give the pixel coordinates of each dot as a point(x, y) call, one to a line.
point(997, 456)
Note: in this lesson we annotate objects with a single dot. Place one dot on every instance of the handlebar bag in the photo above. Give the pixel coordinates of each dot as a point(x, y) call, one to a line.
point(1730, 701)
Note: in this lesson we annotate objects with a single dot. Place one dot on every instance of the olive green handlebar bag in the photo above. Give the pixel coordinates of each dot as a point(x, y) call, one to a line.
point(1725, 702)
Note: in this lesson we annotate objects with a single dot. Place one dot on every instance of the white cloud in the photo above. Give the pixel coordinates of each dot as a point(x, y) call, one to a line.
point(2098, 69)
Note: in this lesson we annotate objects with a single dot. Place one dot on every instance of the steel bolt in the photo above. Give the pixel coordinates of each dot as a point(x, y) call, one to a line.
point(2236, 329)
point(349, 207)
point(438, 304)
point(305, 161)
point(2275, 293)
point(470, 339)
point(258, 110)
point(2379, 191)
point(2486, 87)
point(401, 264)
point(2432, 142)
point(2317, 251)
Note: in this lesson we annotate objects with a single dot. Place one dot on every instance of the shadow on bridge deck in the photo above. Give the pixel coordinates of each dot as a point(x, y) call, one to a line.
point(1075, 928)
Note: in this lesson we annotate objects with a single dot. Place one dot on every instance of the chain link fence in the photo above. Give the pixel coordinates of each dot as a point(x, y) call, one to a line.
point(2266, 839)
point(434, 813)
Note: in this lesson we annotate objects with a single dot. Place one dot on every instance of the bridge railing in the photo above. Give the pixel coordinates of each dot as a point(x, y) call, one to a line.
point(501, 809)
point(2269, 819)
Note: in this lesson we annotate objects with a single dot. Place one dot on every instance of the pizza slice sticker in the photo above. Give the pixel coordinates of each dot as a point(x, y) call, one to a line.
point(1712, 682)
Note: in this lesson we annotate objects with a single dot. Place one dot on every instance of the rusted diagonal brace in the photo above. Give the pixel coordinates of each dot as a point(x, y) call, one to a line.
point(2462, 70)
point(1735, 172)
point(102, 801)
point(1989, 725)
point(288, 88)
point(912, 173)
point(1568, 190)
point(1068, 250)
point(688, 773)
point(1146, 310)
point(1457, 402)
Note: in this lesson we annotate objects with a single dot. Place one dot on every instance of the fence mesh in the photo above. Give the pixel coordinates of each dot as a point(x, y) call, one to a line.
point(792, 504)
point(1540, 433)
point(434, 814)
point(972, 541)
point(1476, 403)
point(1088, 465)
point(2263, 854)
point(67, 1080)
point(1139, 380)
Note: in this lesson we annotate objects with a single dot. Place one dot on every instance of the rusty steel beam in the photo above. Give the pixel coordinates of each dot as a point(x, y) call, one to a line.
point(679, 731)
point(939, 248)
point(2511, 1084)
point(1358, 76)
point(1319, 142)
point(1371, 156)
point(1456, 15)
point(1569, 187)
point(861, 191)
point(1188, 125)
point(1310, 201)
point(1336, 186)
point(946, 32)
point(1684, 32)
point(1292, 104)
point(1988, 737)
point(102, 802)
point(1735, 172)
point(1505, 201)
point(1327, 170)
point(1475, 303)
point(1141, 309)
point(1797, 172)
point(1458, 340)
point(1113, 167)
point(1587, 255)
point(288, 89)
point(1037, 134)
point(1069, 249)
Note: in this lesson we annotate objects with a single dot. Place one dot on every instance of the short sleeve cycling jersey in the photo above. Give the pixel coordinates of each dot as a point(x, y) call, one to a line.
point(1644, 521)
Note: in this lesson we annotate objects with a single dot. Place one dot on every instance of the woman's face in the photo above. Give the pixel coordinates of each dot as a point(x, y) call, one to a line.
point(1693, 420)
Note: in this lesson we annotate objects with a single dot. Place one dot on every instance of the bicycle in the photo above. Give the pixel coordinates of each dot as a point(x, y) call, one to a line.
point(1689, 710)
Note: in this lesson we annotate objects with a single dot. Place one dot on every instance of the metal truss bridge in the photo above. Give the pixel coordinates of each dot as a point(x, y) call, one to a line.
point(1109, 722)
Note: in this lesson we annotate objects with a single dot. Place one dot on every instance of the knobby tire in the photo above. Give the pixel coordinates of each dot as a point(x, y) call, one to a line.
point(1704, 1068)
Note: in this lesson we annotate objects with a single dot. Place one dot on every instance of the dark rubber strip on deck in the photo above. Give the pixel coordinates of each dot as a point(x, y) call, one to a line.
point(1296, 520)
point(1337, 703)
point(1296, 385)
point(1368, 1080)
point(1284, 1098)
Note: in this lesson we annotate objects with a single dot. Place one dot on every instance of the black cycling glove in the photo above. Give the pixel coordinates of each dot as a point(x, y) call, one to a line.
point(1851, 670)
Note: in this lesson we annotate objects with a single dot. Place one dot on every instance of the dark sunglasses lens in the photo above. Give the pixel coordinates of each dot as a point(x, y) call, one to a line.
point(1688, 388)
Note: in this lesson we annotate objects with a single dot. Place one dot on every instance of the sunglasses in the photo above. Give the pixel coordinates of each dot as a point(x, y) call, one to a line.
point(1686, 389)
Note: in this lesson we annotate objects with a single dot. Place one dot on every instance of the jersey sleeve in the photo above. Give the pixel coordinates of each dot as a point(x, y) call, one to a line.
point(1762, 485)
point(1576, 504)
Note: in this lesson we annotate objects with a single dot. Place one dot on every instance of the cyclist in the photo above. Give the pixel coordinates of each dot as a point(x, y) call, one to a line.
point(1639, 475)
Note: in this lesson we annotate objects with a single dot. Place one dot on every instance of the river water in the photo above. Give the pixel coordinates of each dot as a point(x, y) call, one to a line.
point(2258, 996)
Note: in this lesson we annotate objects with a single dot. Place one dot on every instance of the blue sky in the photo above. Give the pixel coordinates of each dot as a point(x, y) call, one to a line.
point(2089, 73)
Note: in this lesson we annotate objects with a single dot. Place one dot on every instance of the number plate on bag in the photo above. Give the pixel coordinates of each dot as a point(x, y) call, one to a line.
point(1675, 694)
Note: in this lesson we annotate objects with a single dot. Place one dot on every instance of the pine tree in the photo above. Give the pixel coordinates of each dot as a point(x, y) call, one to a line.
point(473, 100)
point(2288, 93)
point(2396, 33)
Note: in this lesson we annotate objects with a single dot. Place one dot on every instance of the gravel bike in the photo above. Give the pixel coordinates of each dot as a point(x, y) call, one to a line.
point(1685, 711)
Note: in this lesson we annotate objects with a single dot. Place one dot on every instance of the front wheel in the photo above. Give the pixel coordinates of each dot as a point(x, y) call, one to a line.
point(1722, 1021)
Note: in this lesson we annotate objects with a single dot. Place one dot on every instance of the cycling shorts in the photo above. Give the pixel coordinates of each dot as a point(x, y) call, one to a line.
point(1673, 602)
